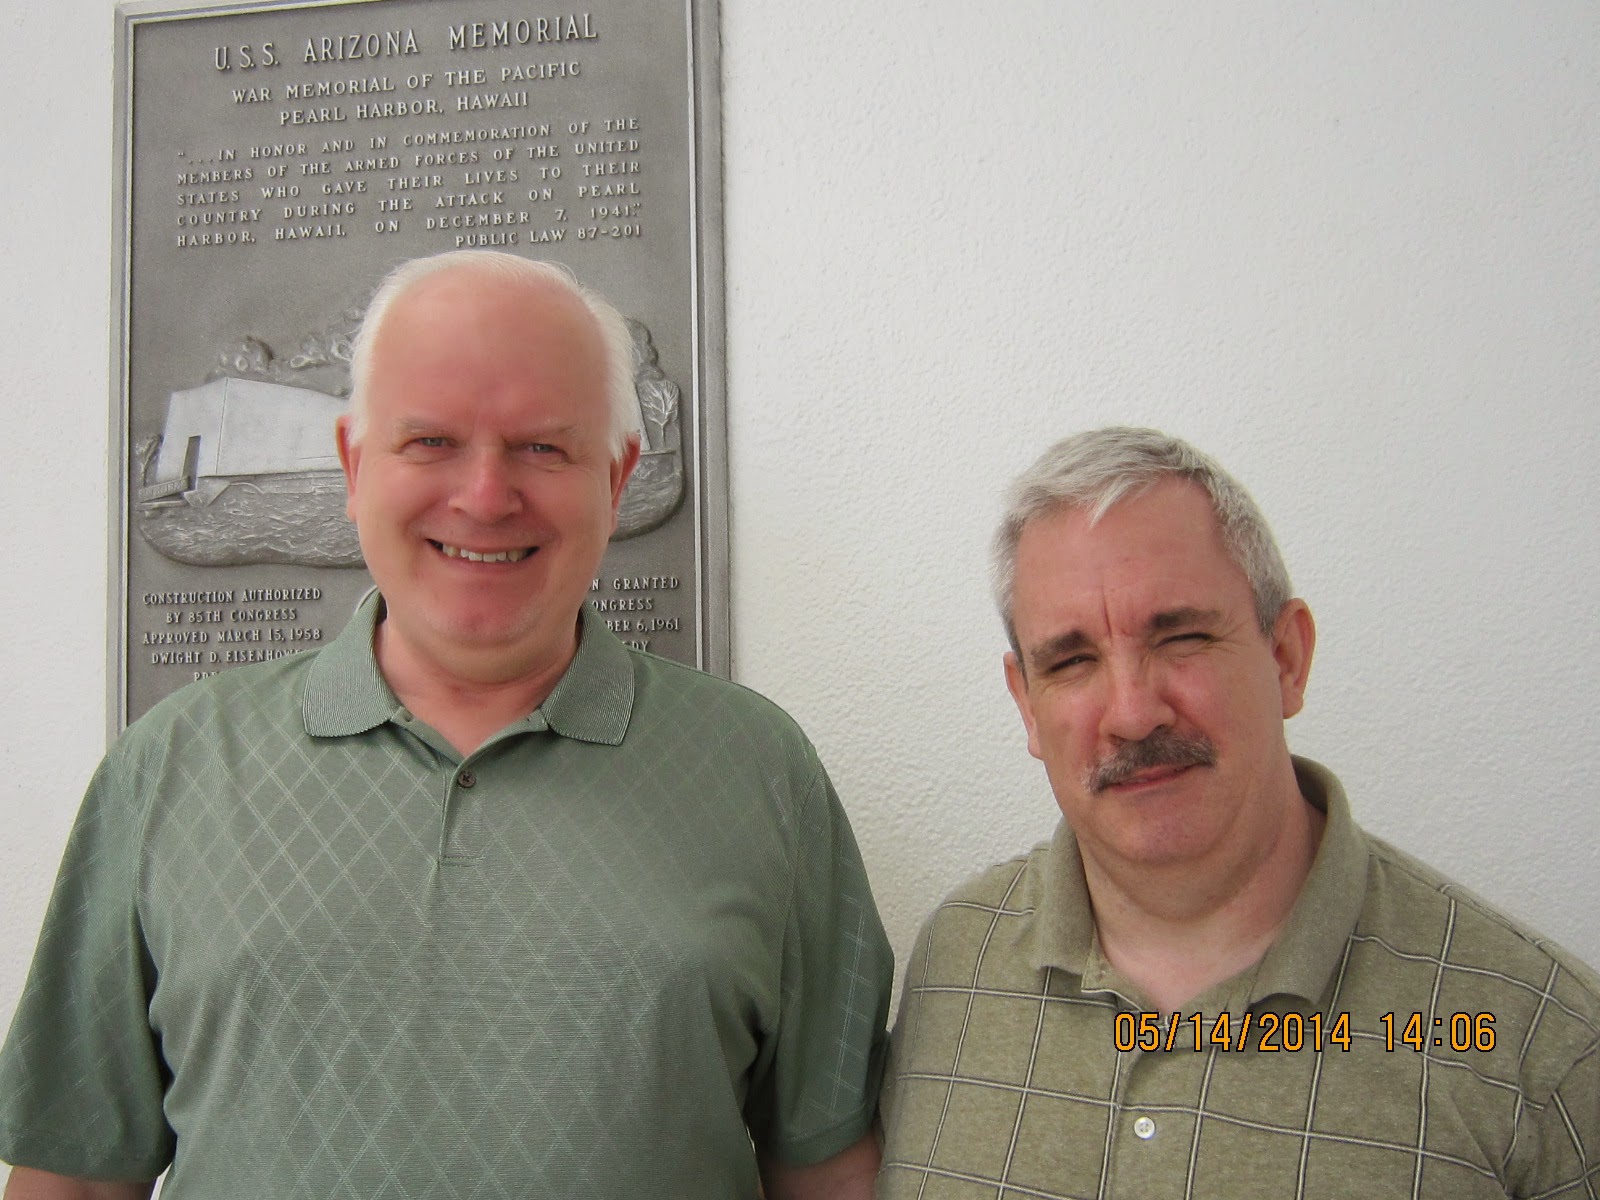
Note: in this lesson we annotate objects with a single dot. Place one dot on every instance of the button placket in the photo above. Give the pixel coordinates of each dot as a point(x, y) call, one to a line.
point(461, 817)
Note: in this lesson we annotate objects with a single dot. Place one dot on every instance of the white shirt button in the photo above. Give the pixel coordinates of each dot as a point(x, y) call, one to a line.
point(1144, 1128)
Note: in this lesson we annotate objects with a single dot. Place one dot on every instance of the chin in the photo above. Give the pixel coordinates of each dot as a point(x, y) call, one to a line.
point(486, 629)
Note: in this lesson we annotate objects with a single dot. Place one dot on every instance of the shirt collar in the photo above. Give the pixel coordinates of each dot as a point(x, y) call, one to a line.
point(1301, 962)
point(346, 694)
point(593, 700)
point(1064, 933)
point(1303, 959)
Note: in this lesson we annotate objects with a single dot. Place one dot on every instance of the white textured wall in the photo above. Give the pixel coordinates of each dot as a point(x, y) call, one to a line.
point(1351, 249)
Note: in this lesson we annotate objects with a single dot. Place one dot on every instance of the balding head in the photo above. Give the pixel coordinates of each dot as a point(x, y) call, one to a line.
point(538, 277)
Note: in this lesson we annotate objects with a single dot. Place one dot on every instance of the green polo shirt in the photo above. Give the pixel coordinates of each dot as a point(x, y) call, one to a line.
point(1021, 1066)
point(300, 947)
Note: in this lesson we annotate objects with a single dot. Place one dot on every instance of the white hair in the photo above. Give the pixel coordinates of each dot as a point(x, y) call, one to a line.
point(1094, 470)
point(614, 335)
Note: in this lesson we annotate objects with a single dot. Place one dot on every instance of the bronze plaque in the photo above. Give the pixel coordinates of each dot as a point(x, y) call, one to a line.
point(275, 160)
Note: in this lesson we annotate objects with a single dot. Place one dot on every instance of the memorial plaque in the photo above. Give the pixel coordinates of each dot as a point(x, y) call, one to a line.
point(275, 160)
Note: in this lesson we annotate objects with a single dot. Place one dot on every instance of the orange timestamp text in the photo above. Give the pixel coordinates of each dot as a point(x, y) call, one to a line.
point(1461, 1031)
point(1292, 1032)
point(1270, 1032)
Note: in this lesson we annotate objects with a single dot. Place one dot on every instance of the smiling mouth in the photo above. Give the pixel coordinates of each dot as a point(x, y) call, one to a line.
point(485, 556)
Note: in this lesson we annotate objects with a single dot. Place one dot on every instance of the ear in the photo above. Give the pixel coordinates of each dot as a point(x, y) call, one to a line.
point(1294, 637)
point(350, 460)
point(621, 471)
point(1017, 685)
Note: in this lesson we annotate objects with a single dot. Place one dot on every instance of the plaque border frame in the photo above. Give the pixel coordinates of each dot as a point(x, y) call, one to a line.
point(708, 321)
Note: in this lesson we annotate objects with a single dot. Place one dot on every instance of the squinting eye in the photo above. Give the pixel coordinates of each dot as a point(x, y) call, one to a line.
point(1069, 664)
point(432, 443)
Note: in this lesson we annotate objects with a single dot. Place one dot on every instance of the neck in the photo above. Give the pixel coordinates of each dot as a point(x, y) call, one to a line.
point(467, 701)
point(1176, 932)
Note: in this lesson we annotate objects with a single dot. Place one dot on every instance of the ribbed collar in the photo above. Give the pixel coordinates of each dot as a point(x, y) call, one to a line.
point(1301, 962)
point(346, 694)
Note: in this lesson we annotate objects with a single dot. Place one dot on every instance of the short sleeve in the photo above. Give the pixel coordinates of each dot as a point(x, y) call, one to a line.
point(814, 1090)
point(81, 1077)
point(905, 1023)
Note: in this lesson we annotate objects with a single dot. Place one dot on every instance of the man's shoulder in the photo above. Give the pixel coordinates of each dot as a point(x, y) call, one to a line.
point(986, 919)
point(1407, 894)
point(665, 688)
point(238, 696)
point(1425, 941)
point(1008, 888)
point(208, 730)
point(999, 901)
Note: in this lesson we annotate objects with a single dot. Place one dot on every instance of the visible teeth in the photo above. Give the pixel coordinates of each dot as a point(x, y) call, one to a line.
point(493, 556)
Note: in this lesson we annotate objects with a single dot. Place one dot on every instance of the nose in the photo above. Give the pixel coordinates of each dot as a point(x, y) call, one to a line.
point(487, 490)
point(1136, 703)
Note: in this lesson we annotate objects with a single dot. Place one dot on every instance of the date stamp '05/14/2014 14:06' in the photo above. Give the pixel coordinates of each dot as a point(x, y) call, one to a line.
point(1293, 1032)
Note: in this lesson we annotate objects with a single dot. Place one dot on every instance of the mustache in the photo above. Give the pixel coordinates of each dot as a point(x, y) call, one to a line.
point(1161, 748)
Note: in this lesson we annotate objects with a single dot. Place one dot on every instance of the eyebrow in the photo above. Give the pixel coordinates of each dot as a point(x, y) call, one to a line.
point(1059, 646)
point(412, 426)
point(1074, 640)
point(408, 427)
point(1176, 618)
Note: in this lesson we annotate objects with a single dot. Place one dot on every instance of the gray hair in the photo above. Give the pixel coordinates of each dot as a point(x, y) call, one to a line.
point(1094, 470)
point(618, 342)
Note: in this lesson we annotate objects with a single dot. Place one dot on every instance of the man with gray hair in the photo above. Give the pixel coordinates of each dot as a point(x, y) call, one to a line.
point(1211, 982)
point(475, 901)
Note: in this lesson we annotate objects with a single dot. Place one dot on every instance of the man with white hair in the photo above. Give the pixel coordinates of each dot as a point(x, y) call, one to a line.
point(475, 901)
point(1211, 982)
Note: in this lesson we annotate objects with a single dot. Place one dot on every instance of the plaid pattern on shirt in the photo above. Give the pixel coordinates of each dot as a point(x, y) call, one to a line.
point(1006, 1080)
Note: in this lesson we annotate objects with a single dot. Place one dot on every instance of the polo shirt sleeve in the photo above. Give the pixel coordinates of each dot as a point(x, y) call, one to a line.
point(905, 1025)
point(1559, 1140)
point(81, 1076)
point(814, 1088)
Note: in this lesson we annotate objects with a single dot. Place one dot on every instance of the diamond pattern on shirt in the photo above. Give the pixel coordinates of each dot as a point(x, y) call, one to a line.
point(628, 954)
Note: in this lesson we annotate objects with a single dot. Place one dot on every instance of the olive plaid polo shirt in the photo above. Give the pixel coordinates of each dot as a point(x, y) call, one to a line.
point(1459, 1054)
